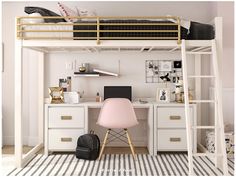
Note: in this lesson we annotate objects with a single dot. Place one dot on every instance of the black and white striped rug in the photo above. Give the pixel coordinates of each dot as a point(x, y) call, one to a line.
point(118, 165)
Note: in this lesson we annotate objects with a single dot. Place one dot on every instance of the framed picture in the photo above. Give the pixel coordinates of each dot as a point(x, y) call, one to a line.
point(56, 95)
point(177, 64)
point(165, 66)
point(163, 95)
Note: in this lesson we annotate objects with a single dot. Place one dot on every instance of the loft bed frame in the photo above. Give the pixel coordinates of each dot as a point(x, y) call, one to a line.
point(98, 23)
point(98, 44)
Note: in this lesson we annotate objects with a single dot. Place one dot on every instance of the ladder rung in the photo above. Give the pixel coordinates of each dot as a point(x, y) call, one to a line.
point(206, 154)
point(202, 101)
point(202, 53)
point(205, 76)
point(203, 127)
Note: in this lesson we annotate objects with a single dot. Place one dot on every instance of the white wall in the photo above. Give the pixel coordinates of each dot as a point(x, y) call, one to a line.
point(55, 65)
point(226, 10)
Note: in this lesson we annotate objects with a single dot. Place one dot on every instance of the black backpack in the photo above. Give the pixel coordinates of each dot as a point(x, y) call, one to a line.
point(88, 146)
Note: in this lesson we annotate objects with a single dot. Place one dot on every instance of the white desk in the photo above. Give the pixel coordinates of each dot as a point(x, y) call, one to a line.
point(61, 130)
point(65, 122)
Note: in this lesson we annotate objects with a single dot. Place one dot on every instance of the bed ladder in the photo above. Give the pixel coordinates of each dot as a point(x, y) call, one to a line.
point(219, 124)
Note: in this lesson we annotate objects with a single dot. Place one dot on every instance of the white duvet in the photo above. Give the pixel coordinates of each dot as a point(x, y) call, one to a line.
point(51, 28)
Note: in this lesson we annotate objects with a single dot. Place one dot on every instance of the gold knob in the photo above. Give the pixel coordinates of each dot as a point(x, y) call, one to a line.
point(66, 117)
point(66, 139)
point(175, 117)
point(175, 139)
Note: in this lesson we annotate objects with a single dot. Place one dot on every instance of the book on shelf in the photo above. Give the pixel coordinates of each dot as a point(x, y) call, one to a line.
point(104, 72)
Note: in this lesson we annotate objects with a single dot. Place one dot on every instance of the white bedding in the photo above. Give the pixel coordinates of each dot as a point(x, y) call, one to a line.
point(49, 34)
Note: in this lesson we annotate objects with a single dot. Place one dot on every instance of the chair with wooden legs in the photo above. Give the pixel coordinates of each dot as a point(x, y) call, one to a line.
point(117, 113)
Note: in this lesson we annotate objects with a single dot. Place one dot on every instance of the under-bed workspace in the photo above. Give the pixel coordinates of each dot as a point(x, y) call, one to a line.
point(101, 94)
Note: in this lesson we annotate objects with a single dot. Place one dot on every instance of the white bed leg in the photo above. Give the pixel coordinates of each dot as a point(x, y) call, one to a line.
point(18, 103)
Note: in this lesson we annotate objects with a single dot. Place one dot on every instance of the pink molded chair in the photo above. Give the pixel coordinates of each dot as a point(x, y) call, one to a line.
point(117, 113)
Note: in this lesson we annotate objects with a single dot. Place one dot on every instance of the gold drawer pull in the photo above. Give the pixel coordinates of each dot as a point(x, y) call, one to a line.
point(66, 117)
point(175, 117)
point(175, 139)
point(66, 139)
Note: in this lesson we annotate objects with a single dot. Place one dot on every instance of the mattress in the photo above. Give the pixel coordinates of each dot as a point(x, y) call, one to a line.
point(129, 35)
point(197, 31)
point(124, 35)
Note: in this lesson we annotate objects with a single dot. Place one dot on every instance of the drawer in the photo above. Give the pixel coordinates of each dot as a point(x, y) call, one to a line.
point(171, 140)
point(63, 139)
point(66, 117)
point(172, 117)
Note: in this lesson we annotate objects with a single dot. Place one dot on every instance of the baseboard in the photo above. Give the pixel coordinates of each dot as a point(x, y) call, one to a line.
point(29, 141)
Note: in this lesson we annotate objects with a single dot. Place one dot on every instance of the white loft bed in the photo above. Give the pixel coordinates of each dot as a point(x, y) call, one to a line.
point(196, 47)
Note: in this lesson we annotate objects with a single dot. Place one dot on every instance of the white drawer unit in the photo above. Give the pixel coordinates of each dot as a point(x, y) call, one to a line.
point(174, 140)
point(170, 127)
point(63, 139)
point(64, 123)
point(171, 117)
point(66, 117)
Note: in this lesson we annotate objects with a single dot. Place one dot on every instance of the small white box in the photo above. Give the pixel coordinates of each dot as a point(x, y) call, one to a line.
point(229, 140)
point(71, 97)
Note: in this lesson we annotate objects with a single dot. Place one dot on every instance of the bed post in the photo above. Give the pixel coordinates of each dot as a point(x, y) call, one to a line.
point(98, 30)
point(41, 97)
point(218, 22)
point(18, 100)
point(198, 86)
point(179, 31)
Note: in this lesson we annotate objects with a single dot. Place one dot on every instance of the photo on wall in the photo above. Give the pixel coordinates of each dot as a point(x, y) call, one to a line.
point(162, 71)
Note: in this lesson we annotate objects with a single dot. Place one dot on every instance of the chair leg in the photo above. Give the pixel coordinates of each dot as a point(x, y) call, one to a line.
point(130, 144)
point(104, 143)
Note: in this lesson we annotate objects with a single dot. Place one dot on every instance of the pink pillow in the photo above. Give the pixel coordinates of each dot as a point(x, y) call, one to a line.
point(66, 11)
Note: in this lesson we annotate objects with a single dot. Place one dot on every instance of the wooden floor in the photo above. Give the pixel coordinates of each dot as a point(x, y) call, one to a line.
point(108, 150)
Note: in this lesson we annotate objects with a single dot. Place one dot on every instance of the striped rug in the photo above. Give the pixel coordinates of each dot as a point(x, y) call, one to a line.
point(118, 165)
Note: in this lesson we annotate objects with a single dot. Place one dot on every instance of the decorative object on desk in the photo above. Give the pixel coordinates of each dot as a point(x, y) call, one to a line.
point(165, 66)
point(177, 64)
point(179, 86)
point(68, 81)
point(190, 95)
point(63, 84)
point(156, 70)
point(98, 98)
point(56, 95)
point(163, 95)
point(179, 91)
point(71, 97)
point(179, 97)
point(165, 78)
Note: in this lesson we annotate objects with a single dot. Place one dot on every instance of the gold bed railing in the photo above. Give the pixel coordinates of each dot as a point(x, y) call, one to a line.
point(174, 21)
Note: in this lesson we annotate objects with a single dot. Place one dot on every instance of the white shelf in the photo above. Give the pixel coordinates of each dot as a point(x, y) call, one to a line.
point(97, 73)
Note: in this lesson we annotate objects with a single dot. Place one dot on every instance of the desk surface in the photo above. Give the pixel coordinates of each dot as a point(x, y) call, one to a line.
point(136, 104)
